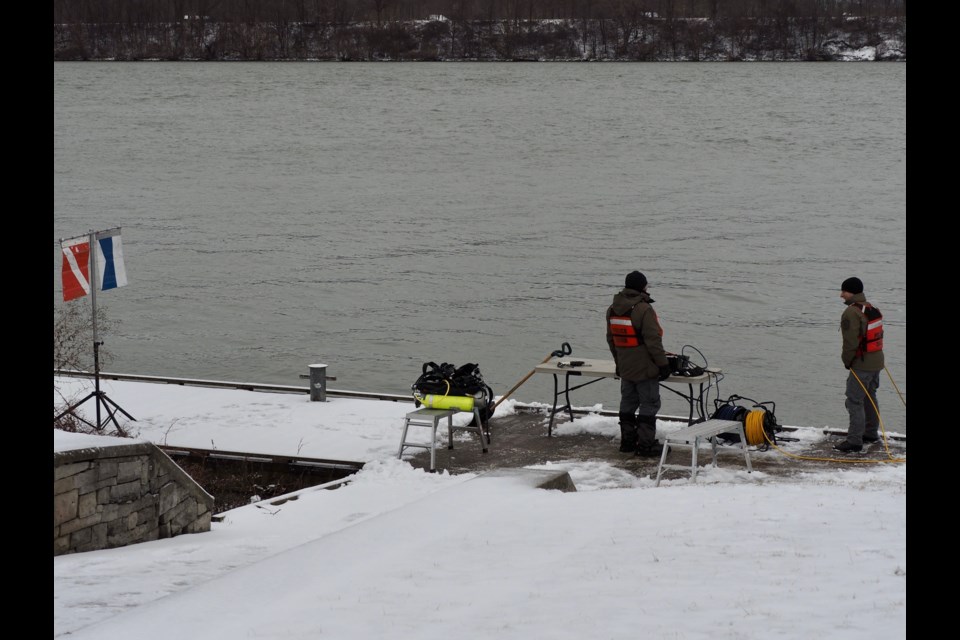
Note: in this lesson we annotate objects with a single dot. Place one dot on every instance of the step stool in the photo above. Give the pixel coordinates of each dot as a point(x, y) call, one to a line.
point(693, 435)
point(431, 418)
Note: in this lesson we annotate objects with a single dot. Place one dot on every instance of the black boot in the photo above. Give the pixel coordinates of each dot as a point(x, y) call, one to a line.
point(628, 432)
point(647, 445)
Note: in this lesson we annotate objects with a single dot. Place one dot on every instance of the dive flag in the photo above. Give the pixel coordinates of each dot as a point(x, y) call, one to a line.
point(76, 267)
point(76, 264)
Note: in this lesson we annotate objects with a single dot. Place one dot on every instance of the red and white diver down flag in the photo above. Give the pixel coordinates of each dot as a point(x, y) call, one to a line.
point(76, 264)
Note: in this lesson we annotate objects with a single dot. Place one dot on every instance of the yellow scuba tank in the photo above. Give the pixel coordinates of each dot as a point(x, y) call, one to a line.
point(460, 403)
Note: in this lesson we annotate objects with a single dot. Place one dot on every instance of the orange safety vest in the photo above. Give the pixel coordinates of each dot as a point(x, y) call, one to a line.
point(625, 334)
point(872, 340)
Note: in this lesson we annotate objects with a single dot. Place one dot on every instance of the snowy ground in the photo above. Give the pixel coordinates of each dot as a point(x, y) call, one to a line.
point(396, 552)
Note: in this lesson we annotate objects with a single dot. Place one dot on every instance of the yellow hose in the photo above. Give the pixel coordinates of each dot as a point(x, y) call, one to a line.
point(890, 457)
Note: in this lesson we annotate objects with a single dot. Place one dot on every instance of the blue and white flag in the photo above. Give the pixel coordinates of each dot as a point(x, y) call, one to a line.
point(110, 260)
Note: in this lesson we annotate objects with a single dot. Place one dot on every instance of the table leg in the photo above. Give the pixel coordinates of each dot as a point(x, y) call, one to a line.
point(702, 404)
point(553, 412)
point(566, 384)
point(566, 393)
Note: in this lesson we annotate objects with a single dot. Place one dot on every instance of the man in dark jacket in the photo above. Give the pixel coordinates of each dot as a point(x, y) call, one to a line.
point(861, 327)
point(636, 342)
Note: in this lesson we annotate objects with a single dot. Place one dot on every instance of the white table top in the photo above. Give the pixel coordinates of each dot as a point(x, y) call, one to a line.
point(607, 369)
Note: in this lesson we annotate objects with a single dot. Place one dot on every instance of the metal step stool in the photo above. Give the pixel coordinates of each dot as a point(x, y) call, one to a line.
point(431, 418)
point(693, 435)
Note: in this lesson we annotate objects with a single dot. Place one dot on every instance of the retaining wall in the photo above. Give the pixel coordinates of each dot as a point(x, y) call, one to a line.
point(105, 497)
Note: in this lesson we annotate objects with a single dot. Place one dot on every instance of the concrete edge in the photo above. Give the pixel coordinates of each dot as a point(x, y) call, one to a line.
point(535, 478)
point(111, 451)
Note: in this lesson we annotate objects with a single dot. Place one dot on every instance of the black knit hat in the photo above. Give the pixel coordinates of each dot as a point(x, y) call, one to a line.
point(636, 281)
point(852, 285)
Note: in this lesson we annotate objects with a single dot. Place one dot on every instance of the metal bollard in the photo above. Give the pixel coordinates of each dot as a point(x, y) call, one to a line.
point(318, 383)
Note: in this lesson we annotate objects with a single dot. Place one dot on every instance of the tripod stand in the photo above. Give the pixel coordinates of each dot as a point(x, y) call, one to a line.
point(100, 398)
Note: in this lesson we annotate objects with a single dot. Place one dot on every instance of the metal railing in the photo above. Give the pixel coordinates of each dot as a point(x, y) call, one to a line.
point(281, 388)
point(225, 384)
point(239, 456)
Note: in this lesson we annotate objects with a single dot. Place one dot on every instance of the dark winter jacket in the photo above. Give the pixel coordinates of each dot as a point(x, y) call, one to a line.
point(642, 362)
point(853, 326)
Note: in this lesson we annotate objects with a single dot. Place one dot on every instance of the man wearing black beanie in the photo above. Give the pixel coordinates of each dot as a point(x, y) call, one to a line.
point(636, 342)
point(861, 327)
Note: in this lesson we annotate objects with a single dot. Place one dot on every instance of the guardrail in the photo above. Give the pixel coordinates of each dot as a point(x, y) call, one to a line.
point(225, 384)
point(281, 388)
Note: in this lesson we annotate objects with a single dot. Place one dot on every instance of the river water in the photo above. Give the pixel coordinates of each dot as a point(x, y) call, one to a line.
point(374, 217)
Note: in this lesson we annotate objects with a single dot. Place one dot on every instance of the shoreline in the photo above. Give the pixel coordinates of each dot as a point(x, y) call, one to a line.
point(612, 36)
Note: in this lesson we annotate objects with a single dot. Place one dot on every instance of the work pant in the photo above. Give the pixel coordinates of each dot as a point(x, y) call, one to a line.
point(864, 420)
point(643, 398)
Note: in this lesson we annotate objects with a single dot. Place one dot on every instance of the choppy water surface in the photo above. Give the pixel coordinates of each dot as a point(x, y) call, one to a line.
point(378, 216)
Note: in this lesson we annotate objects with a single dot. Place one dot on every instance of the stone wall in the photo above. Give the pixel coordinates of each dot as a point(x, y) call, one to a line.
point(105, 497)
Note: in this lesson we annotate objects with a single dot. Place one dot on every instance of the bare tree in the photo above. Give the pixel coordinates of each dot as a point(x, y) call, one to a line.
point(73, 335)
point(73, 350)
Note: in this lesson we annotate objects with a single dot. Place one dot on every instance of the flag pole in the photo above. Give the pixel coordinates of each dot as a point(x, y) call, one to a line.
point(93, 305)
point(97, 395)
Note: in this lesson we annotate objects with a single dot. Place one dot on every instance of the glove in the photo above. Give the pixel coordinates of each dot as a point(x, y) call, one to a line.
point(846, 366)
point(664, 373)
